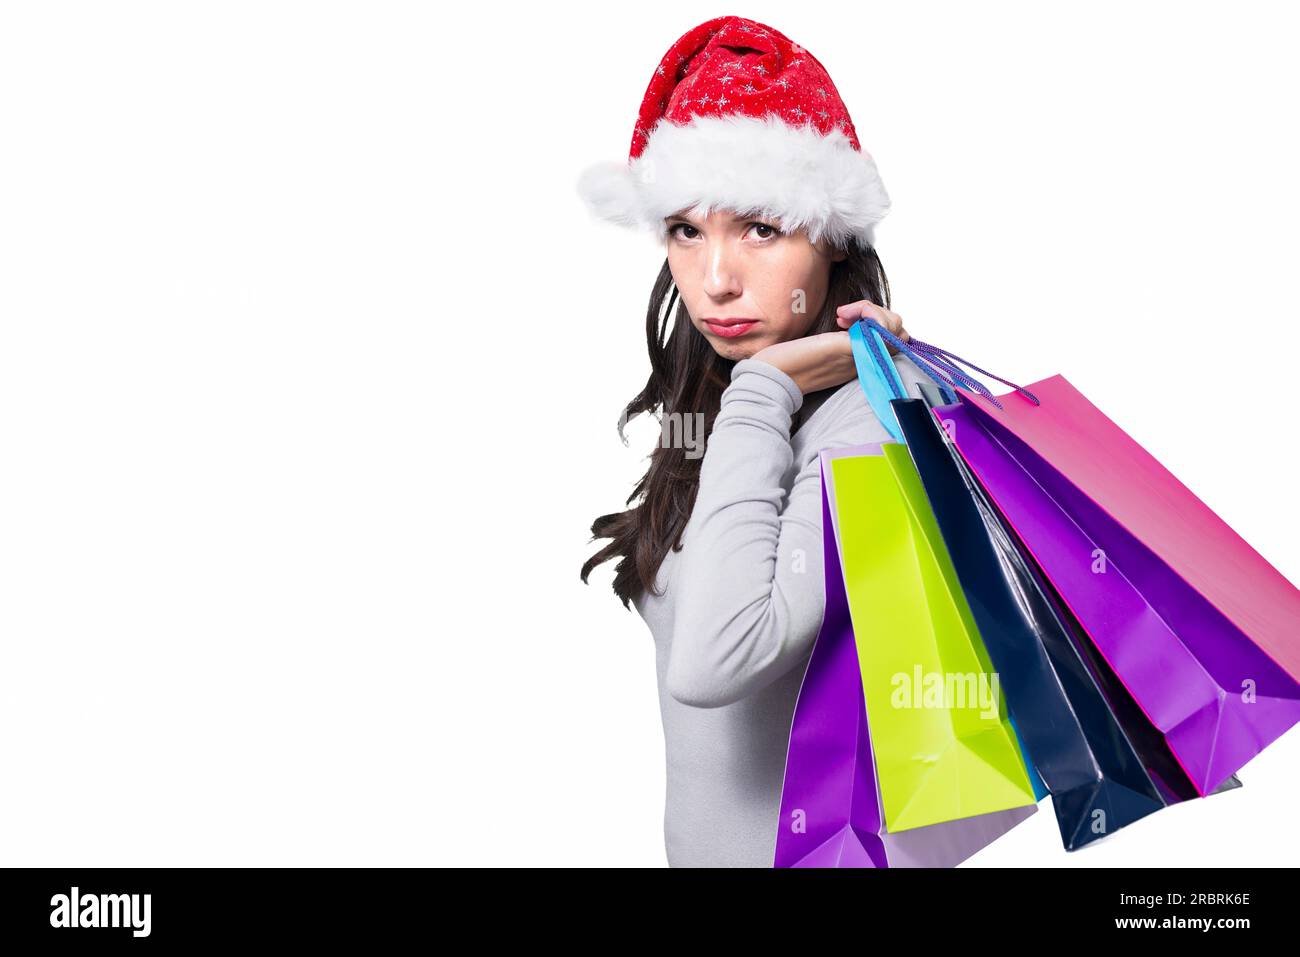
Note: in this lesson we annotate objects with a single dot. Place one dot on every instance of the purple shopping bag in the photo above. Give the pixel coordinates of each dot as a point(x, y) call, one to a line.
point(830, 802)
point(1202, 631)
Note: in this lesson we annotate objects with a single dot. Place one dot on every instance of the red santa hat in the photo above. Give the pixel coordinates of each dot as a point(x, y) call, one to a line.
point(738, 117)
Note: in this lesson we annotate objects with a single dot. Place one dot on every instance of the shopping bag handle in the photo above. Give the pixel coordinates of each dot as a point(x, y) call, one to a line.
point(878, 377)
point(947, 375)
point(935, 354)
point(879, 383)
point(941, 365)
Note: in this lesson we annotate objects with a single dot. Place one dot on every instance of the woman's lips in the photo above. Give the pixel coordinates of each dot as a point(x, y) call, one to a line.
point(730, 330)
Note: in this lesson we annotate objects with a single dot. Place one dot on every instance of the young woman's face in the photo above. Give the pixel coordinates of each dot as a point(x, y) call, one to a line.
point(730, 267)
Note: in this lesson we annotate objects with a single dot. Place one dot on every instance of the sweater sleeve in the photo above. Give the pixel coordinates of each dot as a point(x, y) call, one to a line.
point(750, 581)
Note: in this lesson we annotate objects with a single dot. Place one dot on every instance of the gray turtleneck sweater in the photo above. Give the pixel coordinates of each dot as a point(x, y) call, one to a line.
point(741, 607)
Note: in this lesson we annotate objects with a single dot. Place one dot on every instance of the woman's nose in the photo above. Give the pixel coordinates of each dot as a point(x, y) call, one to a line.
point(722, 271)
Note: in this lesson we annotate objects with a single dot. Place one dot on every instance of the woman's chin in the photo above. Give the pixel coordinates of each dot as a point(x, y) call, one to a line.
point(735, 351)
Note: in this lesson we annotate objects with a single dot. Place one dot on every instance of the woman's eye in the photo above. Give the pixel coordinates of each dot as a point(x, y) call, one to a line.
point(687, 231)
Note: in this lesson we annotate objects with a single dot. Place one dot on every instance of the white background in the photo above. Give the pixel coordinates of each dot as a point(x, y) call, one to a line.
point(312, 361)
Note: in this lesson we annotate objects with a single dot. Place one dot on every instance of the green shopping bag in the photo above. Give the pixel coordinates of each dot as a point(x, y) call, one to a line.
point(944, 745)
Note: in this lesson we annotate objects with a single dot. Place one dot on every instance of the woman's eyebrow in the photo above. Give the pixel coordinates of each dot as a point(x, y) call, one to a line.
point(730, 217)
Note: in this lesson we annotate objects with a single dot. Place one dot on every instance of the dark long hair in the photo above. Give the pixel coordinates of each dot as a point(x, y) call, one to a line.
point(687, 377)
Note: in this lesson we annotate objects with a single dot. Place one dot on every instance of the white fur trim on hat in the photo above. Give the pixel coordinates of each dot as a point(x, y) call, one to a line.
point(752, 165)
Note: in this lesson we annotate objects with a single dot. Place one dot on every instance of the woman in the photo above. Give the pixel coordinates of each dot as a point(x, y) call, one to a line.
point(746, 165)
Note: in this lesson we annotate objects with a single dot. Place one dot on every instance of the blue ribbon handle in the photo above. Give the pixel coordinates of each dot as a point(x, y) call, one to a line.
point(877, 376)
point(879, 379)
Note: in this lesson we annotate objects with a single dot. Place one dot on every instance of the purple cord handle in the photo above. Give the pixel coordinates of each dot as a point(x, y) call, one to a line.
point(958, 377)
point(933, 362)
point(937, 355)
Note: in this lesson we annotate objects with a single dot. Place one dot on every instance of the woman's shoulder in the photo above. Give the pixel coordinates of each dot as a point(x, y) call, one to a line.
point(846, 417)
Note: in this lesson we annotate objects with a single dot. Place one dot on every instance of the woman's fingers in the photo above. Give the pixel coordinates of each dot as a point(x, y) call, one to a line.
point(849, 313)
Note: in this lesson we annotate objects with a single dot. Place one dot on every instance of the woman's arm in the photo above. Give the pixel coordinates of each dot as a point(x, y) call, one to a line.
point(750, 580)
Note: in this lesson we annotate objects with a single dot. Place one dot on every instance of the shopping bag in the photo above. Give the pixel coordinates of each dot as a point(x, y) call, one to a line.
point(1152, 749)
point(830, 801)
point(943, 743)
point(1200, 628)
point(1102, 775)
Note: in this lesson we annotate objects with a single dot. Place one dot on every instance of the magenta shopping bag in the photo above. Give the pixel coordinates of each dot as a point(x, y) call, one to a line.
point(830, 803)
point(1201, 629)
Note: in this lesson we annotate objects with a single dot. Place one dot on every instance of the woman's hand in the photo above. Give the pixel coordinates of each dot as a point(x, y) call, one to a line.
point(826, 360)
point(853, 311)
